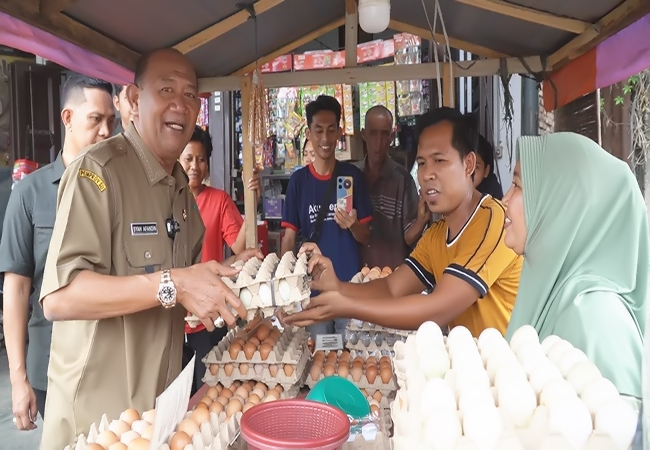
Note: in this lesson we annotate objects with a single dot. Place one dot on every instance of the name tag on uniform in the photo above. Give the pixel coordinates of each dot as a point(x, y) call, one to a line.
point(144, 229)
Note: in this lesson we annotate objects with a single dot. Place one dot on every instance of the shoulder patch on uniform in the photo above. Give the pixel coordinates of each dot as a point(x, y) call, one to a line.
point(92, 176)
point(113, 147)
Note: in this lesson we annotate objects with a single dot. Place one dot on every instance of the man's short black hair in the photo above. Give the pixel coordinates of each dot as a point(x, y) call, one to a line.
point(379, 109)
point(203, 137)
point(118, 88)
point(465, 133)
point(143, 62)
point(323, 103)
point(486, 152)
point(73, 88)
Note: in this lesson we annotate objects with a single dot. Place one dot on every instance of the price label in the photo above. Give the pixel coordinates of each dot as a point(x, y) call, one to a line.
point(327, 342)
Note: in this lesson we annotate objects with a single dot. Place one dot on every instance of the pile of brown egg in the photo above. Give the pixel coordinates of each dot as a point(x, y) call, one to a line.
point(374, 273)
point(130, 432)
point(358, 369)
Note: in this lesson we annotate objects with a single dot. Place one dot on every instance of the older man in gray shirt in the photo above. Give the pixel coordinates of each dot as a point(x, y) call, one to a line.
point(399, 217)
point(88, 117)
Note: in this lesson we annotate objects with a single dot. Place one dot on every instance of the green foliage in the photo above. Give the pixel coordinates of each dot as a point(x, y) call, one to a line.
point(627, 90)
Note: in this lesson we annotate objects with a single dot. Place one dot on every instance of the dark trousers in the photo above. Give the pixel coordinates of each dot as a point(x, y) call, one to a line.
point(40, 401)
point(201, 343)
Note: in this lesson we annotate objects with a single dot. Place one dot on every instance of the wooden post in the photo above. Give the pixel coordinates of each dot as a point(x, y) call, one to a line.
point(351, 41)
point(250, 200)
point(448, 88)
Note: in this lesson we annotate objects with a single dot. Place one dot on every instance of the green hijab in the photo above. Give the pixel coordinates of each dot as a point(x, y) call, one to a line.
point(586, 258)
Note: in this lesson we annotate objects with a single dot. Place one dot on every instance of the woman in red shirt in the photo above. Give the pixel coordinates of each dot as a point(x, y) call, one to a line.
point(223, 224)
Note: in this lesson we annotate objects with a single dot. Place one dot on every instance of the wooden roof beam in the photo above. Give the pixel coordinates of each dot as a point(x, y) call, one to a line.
point(395, 72)
point(53, 7)
point(290, 46)
point(625, 14)
point(529, 15)
point(72, 31)
point(439, 38)
point(224, 26)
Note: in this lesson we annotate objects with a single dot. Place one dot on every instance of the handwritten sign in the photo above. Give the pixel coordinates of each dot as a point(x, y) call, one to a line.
point(327, 342)
point(172, 404)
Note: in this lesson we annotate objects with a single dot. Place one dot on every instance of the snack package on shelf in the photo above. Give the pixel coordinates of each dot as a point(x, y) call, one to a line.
point(461, 392)
point(367, 370)
point(348, 109)
point(264, 354)
point(266, 285)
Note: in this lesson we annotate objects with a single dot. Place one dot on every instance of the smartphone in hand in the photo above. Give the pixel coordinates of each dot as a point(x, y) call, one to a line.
point(344, 191)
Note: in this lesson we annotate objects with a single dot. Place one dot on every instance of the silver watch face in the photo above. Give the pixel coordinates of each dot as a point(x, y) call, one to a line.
point(167, 294)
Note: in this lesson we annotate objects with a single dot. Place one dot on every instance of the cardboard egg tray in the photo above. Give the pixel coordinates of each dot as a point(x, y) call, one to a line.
point(381, 442)
point(261, 373)
point(269, 284)
point(357, 340)
point(358, 325)
point(288, 350)
point(385, 388)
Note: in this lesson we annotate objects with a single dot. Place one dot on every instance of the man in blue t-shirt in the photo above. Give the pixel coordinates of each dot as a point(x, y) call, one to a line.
point(341, 233)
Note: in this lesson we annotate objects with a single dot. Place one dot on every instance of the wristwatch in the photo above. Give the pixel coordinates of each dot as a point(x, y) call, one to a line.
point(166, 290)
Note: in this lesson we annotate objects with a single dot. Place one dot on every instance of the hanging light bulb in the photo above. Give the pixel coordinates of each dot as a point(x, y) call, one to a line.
point(374, 15)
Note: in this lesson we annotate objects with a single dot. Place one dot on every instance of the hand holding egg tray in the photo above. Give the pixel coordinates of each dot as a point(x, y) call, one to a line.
point(491, 395)
point(267, 285)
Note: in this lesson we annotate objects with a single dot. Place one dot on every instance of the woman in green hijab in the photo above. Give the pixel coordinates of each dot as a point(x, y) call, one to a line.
point(577, 215)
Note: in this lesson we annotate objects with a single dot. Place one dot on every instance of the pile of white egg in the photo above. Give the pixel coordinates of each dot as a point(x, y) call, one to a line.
point(462, 393)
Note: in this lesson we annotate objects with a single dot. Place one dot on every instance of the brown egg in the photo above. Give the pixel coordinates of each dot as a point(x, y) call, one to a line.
point(288, 369)
point(119, 427)
point(377, 396)
point(271, 396)
point(345, 356)
point(364, 392)
point(371, 374)
point(263, 331)
point(275, 333)
point(265, 350)
point(179, 441)
point(332, 357)
point(386, 374)
point(365, 270)
point(227, 368)
point(315, 372)
point(270, 340)
point(233, 407)
point(273, 369)
point(254, 398)
point(279, 388)
point(234, 350)
point(130, 415)
point(247, 406)
point(228, 393)
point(207, 400)
point(374, 409)
point(223, 400)
point(358, 361)
point(319, 355)
point(117, 446)
point(106, 438)
point(371, 361)
point(343, 370)
point(149, 416)
point(235, 384)
point(374, 273)
point(128, 436)
point(200, 416)
point(189, 426)
point(213, 393)
point(217, 407)
point(259, 392)
point(260, 385)
point(387, 270)
point(139, 444)
point(243, 368)
point(238, 340)
point(328, 370)
point(94, 447)
point(148, 432)
point(241, 399)
point(356, 371)
point(384, 360)
point(242, 391)
point(249, 349)
point(250, 385)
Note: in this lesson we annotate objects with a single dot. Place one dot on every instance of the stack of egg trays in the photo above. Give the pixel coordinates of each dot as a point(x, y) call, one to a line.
point(291, 348)
point(386, 389)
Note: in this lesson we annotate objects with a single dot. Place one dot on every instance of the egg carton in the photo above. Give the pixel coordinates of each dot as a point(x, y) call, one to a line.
point(385, 388)
point(261, 372)
point(359, 325)
point(381, 442)
point(266, 285)
point(371, 341)
point(217, 434)
point(288, 350)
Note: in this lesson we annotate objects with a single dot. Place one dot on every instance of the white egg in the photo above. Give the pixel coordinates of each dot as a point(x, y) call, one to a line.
point(522, 335)
point(529, 355)
point(285, 291)
point(558, 350)
point(266, 294)
point(598, 392)
point(509, 372)
point(437, 395)
point(128, 436)
point(478, 377)
point(464, 443)
point(428, 334)
point(139, 426)
point(549, 341)
point(497, 359)
point(460, 347)
point(487, 335)
point(582, 374)
point(509, 441)
point(556, 390)
point(460, 334)
point(571, 419)
point(619, 420)
point(466, 360)
point(450, 379)
point(442, 429)
point(483, 424)
point(570, 359)
point(519, 401)
point(473, 396)
point(246, 297)
point(542, 374)
point(433, 361)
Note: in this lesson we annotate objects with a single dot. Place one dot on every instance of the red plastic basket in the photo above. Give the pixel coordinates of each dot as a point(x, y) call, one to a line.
point(293, 424)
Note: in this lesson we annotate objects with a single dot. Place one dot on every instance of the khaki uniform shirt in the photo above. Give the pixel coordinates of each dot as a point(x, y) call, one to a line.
point(112, 207)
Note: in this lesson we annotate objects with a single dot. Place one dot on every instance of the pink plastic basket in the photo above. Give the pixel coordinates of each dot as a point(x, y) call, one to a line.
point(293, 424)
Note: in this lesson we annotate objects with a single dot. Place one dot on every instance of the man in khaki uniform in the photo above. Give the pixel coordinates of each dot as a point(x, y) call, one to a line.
point(125, 217)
